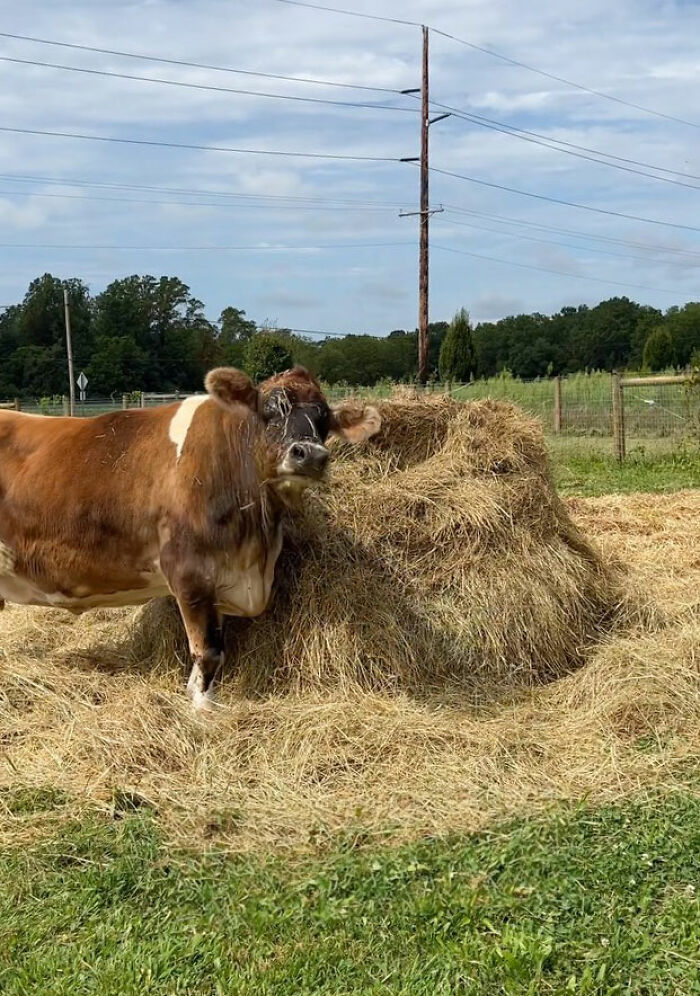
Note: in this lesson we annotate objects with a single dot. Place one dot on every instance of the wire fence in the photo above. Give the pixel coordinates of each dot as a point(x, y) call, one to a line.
point(664, 409)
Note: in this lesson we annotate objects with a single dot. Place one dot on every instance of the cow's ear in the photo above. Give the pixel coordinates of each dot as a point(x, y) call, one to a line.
point(231, 387)
point(353, 423)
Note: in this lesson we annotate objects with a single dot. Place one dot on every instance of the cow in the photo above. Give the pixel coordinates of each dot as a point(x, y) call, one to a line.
point(184, 499)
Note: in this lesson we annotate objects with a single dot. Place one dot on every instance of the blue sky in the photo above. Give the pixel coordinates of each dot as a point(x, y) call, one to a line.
point(642, 52)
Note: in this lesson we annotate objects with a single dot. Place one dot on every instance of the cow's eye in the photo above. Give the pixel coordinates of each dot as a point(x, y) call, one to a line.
point(276, 406)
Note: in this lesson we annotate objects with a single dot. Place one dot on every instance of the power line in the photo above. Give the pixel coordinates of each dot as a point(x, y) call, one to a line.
point(193, 191)
point(207, 87)
point(561, 79)
point(350, 13)
point(332, 335)
point(478, 118)
point(557, 200)
point(194, 204)
point(561, 273)
point(549, 242)
point(497, 55)
point(506, 220)
point(196, 65)
point(489, 123)
point(171, 248)
point(199, 148)
point(535, 138)
point(570, 149)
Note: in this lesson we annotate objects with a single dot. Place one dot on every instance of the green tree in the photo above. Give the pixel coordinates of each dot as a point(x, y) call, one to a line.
point(267, 354)
point(235, 331)
point(39, 326)
point(457, 352)
point(9, 343)
point(123, 310)
point(683, 325)
point(159, 319)
point(436, 333)
point(234, 326)
point(40, 370)
point(658, 350)
point(604, 340)
point(118, 364)
point(41, 321)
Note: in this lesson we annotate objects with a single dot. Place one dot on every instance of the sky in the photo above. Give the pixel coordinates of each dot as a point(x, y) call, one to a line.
point(319, 243)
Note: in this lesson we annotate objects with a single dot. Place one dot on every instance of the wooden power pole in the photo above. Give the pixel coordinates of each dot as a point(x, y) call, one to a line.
point(424, 212)
point(423, 262)
point(69, 349)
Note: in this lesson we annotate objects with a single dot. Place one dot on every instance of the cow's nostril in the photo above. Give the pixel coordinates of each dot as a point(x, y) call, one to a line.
point(298, 452)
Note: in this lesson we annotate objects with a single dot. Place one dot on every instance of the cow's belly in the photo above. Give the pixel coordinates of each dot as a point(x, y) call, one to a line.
point(244, 588)
point(20, 590)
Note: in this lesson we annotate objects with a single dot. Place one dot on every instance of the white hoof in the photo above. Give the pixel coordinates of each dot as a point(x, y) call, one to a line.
point(204, 701)
point(201, 701)
point(194, 682)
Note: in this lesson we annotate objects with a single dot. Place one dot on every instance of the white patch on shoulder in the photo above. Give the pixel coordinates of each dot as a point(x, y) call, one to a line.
point(7, 560)
point(182, 420)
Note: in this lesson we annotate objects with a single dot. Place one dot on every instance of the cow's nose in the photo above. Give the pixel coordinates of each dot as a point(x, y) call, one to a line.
point(308, 457)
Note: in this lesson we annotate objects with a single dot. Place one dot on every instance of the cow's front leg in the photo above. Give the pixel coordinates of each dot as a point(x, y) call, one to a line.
point(196, 599)
point(203, 628)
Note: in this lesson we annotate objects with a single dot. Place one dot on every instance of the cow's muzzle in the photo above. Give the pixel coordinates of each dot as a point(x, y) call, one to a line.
point(305, 459)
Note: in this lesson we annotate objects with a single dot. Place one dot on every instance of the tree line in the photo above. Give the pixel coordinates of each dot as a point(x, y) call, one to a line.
point(151, 333)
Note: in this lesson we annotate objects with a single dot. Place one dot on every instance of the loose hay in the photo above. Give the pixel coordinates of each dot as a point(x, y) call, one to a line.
point(397, 683)
point(442, 556)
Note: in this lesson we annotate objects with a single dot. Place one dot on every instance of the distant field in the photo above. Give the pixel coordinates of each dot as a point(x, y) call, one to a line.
point(660, 411)
point(586, 466)
point(669, 413)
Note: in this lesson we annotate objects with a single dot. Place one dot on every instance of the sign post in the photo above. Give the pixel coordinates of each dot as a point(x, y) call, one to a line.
point(82, 384)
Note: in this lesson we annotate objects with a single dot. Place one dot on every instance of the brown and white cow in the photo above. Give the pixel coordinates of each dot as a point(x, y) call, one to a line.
point(184, 499)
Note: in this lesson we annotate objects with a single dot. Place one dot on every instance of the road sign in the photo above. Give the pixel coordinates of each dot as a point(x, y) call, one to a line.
point(82, 384)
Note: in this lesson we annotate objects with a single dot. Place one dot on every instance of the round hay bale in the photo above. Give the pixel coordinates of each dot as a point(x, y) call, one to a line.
point(441, 554)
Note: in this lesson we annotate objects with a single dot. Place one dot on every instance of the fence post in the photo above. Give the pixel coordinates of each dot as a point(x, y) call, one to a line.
point(143, 400)
point(66, 404)
point(557, 404)
point(125, 401)
point(18, 405)
point(618, 418)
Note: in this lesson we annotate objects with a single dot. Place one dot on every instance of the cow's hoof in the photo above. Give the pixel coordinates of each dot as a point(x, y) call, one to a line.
point(195, 680)
point(204, 703)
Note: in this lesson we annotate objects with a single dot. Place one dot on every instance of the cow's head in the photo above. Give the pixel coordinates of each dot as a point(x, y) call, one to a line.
point(297, 419)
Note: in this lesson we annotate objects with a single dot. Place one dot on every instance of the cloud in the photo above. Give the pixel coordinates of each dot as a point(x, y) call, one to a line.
point(491, 307)
point(288, 299)
point(387, 291)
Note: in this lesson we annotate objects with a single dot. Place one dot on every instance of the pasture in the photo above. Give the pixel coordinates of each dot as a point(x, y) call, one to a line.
point(336, 830)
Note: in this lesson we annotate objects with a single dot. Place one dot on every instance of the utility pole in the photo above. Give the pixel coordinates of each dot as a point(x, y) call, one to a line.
point(69, 348)
point(424, 212)
point(423, 285)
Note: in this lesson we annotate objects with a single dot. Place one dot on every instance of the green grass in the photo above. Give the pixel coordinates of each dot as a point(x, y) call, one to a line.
point(581, 468)
point(582, 901)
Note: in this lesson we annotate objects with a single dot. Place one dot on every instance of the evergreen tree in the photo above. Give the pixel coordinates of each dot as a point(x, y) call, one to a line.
point(267, 354)
point(457, 350)
point(658, 350)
